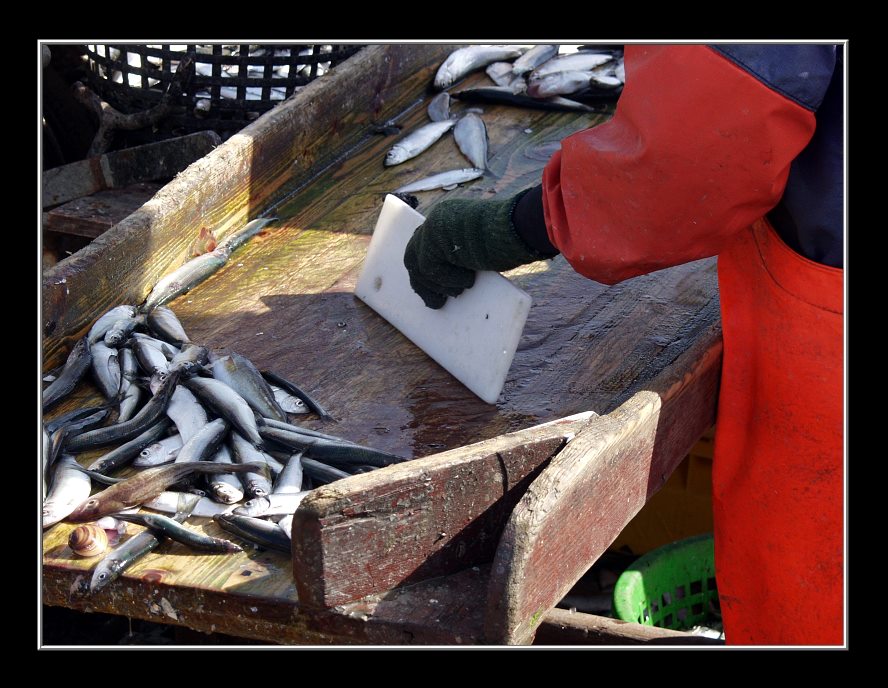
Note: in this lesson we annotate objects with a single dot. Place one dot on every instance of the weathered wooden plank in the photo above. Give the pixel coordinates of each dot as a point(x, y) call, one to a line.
point(93, 215)
point(592, 489)
point(562, 627)
point(231, 185)
point(422, 519)
point(148, 162)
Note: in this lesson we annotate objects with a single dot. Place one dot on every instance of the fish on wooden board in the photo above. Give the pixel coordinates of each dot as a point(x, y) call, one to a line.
point(146, 485)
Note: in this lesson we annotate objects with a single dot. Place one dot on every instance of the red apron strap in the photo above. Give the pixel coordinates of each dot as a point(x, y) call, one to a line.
point(778, 480)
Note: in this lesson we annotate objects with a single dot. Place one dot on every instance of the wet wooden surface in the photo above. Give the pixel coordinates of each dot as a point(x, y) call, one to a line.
point(284, 300)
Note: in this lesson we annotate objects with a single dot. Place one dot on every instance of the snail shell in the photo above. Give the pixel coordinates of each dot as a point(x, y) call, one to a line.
point(88, 540)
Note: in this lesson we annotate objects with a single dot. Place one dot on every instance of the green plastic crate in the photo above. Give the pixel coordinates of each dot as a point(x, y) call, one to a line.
point(671, 587)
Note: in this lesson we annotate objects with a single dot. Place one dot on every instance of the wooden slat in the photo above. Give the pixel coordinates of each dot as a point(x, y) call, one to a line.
point(93, 215)
point(231, 185)
point(587, 494)
point(416, 520)
point(562, 627)
point(148, 162)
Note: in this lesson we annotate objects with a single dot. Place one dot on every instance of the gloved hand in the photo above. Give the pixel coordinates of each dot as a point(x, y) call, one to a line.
point(459, 237)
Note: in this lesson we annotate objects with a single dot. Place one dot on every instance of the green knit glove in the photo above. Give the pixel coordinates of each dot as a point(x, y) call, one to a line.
point(459, 237)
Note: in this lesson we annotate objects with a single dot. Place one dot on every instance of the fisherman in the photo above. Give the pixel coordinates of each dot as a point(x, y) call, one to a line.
point(735, 151)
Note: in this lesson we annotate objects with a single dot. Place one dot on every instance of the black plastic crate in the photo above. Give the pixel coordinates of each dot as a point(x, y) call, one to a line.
point(229, 85)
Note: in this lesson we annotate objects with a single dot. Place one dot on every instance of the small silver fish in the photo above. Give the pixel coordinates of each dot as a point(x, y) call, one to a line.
point(289, 402)
point(575, 62)
point(417, 141)
point(500, 73)
point(533, 58)
point(620, 70)
point(557, 84)
point(70, 488)
point(159, 453)
point(471, 137)
point(465, 60)
point(225, 488)
point(275, 504)
point(106, 369)
point(107, 320)
point(439, 107)
point(442, 180)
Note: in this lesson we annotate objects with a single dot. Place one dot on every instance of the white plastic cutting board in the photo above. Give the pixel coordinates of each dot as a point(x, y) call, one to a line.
point(473, 336)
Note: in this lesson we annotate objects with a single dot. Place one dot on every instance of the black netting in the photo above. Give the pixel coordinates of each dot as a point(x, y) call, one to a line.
point(230, 85)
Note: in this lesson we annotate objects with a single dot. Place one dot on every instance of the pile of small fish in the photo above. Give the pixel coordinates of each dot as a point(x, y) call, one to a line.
point(539, 77)
point(209, 413)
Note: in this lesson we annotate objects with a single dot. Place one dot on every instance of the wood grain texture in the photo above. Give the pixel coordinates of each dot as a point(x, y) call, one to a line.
point(562, 627)
point(232, 184)
point(93, 215)
point(587, 494)
point(284, 300)
point(425, 518)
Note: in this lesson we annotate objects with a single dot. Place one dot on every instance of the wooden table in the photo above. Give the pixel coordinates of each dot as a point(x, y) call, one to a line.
point(505, 506)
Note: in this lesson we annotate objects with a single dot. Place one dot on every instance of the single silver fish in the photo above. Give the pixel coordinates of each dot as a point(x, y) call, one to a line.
point(164, 323)
point(130, 392)
point(500, 72)
point(605, 81)
point(187, 413)
point(228, 404)
point(159, 453)
point(168, 502)
point(471, 137)
point(70, 488)
point(176, 531)
point(465, 60)
point(575, 62)
point(242, 450)
point(288, 402)
point(290, 479)
point(204, 444)
point(151, 359)
point(125, 453)
point(417, 141)
point(271, 505)
point(502, 95)
point(196, 270)
point(106, 369)
point(439, 107)
point(239, 373)
point(121, 329)
point(442, 180)
point(224, 487)
point(107, 320)
point(231, 243)
point(557, 83)
point(286, 385)
point(320, 473)
point(533, 58)
point(255, 530)
point(78, 362)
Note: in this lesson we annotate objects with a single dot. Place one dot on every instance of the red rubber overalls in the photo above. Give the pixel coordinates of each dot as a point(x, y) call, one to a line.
point(696, 155)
